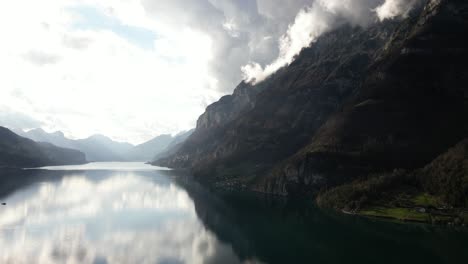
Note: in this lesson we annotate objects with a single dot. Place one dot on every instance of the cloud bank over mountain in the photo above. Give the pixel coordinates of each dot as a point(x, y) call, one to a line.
point(321, 16)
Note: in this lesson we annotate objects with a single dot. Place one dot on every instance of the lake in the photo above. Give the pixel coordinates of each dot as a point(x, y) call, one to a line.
point(135, 213)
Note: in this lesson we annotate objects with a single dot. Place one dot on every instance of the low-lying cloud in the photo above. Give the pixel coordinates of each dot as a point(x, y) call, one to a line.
point(17, 120)
point(394, 8)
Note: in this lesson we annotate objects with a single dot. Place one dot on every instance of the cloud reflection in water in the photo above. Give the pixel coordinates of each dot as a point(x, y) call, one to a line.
point(123, 218)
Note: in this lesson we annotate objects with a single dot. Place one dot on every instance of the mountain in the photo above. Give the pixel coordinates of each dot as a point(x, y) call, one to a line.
point(146, 151)
point(96, 147)
point(361, 107)
point(258, 126)
point(102, 148)
point(158, 147)
point(174, 146)
point(16, 151)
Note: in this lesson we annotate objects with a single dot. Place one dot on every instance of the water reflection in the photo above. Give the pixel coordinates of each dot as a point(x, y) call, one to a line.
point(113, 166)
point(148, 216)
point(106, 217)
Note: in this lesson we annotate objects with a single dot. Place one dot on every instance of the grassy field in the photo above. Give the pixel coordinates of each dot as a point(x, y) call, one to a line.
point(403, 214)
point(421, 207)
point(426, 200)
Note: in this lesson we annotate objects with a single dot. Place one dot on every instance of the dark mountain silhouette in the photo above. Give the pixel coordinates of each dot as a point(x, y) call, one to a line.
point(16, 151)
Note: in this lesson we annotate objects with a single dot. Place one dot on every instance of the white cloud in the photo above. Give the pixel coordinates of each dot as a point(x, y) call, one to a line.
point(94, 80)
point(394, 8)
point(309, 24)
point(41, 58)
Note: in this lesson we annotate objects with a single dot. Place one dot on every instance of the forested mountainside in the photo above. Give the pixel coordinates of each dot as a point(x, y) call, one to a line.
point(360, 104)
point(16, 151)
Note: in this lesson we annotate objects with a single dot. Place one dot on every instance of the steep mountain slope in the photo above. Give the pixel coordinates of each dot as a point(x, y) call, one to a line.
point(16, 151)
point(175, 145)
point(359, 102)
point(212, 125)
point(411, 107)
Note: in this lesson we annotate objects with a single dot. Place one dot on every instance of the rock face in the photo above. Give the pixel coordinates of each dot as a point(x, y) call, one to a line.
point(359, 101)
point(16, 151)
point(211, 126)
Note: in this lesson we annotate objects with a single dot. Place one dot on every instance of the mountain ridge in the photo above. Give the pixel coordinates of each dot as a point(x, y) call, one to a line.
point(99, 147)
point(96, 147)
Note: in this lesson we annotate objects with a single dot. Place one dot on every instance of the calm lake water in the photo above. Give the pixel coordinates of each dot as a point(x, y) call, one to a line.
point(135, 213)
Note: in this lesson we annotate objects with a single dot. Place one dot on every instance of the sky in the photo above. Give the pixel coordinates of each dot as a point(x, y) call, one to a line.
point(135, 69)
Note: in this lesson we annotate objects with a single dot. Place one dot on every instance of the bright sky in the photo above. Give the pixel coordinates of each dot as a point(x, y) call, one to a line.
point(135, 69)
point(101, 66)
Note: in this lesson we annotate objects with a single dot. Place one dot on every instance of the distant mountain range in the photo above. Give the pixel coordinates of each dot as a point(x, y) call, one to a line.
point(96, 147)
point(17, 151)
point(101, 148)
point(160, 146)
point(146, 151)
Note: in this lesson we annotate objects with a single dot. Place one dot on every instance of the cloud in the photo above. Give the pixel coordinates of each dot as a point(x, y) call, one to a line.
point(41, 58)
point(314, 21)
point(17, 120)
point(94, 79)
point(394, 8)
point(240, 30)
point(320, 17)
point(76, 42)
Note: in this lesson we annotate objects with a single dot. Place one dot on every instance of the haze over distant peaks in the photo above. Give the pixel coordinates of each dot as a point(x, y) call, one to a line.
point(102, 148)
